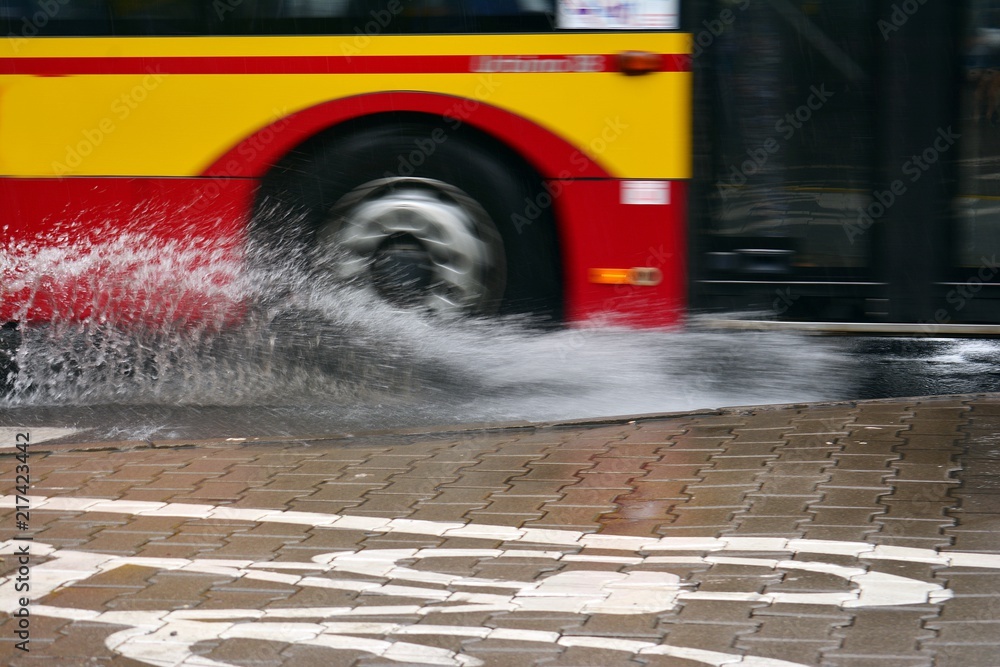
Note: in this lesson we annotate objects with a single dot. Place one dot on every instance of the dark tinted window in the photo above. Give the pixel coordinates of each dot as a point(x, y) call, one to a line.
point(27, 18)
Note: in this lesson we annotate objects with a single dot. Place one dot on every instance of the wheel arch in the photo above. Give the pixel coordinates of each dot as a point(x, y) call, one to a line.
point(297, 158)
point(545, 152)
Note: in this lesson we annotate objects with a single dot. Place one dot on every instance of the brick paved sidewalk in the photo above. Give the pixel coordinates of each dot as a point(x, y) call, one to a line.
point(843, 535)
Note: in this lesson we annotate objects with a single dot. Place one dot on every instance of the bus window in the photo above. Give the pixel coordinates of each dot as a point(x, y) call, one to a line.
point(277, 17)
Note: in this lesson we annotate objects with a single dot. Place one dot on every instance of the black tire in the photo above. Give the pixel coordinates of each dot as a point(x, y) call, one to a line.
point(315, 181)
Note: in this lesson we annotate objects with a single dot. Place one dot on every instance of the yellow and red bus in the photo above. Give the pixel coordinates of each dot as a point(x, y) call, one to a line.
point(504, 156)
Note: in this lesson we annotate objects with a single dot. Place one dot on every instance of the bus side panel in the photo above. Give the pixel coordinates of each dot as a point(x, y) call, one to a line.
point(123, 250)
point(599, 231)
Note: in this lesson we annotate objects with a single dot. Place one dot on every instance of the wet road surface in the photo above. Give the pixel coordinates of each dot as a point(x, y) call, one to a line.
point(702, 374)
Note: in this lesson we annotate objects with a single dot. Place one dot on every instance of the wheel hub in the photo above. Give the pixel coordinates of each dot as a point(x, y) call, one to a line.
point(402, 270)
point(418, 242)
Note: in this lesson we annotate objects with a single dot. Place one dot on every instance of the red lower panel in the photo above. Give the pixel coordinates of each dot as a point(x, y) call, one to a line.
point(169, 251)
point(122, 250)
point(598, 231)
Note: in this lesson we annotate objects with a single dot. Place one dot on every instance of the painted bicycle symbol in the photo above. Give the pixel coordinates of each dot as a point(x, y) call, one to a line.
point(590, 575)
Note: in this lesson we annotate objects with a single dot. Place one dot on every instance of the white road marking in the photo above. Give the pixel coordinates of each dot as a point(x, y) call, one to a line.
point(166, 638)
point(8, 435)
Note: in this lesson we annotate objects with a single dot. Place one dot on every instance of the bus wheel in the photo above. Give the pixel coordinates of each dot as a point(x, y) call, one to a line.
point(419, 242)
point(426, 218)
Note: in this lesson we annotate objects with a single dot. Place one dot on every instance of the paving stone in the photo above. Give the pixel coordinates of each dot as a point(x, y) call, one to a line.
point(797, 651)
point(771, 485)
point(917, 509)
point(933, 457)
point(761, 433)
point(867, 660)
point(514, 463)
point(582, 457)
point(82, 638)
point(837, 533)
point(853, 516)
point(968, 609)
point(692, 515)
point(483, 480)
point(965, 656)
point(639, 628)
point(708, 637)
point(811, 440)
point(344, 491)
point(779, 505)
point(706, 429)
point(123, 543)
point(577, 518)
point(576, 497)
point(979, 503)
point(520, 486)
point(877, 632)
point(627, 449)
point(389, 505)
point(695, 443)
point(604, 481)
point(977, 523)
point(656, 491)
point(717, 612)
point(858, 479)
point(942, 427)
point(770, 418)
point(861, 461)
point(631, 466)
point(770, 526)
point(668, 472)
point(976, 542)
point(711, 477)
point(590, 657)
point(661, 510)
point(852, 497)
point(783, 468)
point(443, 512)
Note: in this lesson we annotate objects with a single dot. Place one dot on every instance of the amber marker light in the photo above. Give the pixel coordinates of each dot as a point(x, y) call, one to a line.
point(643, 276)
point(639, 62)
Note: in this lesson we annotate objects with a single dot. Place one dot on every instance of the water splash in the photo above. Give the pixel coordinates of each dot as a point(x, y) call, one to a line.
point(137, 320)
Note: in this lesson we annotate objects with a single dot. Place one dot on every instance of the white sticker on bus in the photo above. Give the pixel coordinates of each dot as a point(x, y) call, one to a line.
point(646, 193)
point(536, 64)
point(619, 14)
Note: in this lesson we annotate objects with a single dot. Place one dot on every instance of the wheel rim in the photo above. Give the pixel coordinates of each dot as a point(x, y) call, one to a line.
point(416, 241)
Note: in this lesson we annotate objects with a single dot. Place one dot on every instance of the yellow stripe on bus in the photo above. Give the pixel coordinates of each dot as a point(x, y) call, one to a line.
point(178, 124)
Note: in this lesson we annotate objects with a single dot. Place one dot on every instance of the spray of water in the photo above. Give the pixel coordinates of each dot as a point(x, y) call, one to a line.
point(138, 320)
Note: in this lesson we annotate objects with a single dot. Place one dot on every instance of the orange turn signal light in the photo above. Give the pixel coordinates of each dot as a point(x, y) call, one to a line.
point(639, 62)
point(643, 276)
